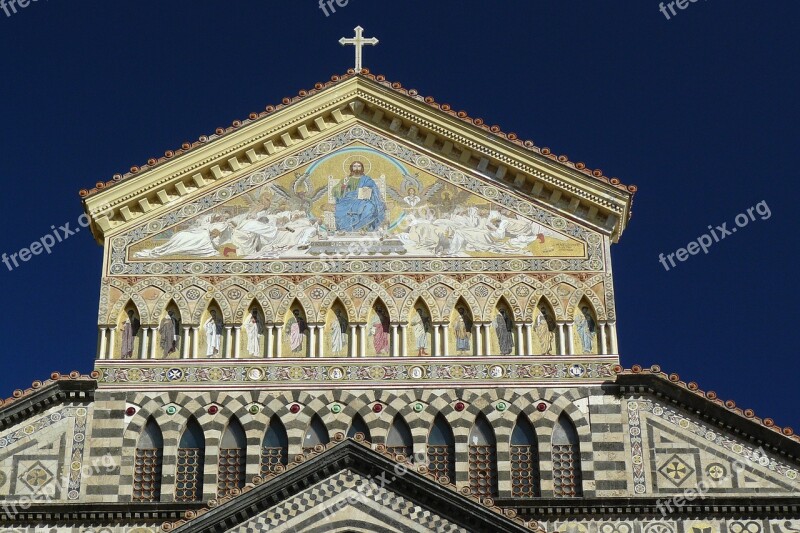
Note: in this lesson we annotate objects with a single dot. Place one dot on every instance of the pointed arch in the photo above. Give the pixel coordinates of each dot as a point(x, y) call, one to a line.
point(442, 450)
point(274, 448)
point(212, 331)
point(586, 330)
point(191, 460)
point(462, 333)
point(399, 441)
point(359, 426)
point(129, 327)
point(148, 464)
point(420, 329)
point(379, 330)
point(295, 331)
point(482, 458)
point(545, 329)
point(525, 476)
point(337, 328)
point(232, 459)
point(254, 332)
point(170, 340)
point(567, 476)
point(504, 338)
point(316, 435)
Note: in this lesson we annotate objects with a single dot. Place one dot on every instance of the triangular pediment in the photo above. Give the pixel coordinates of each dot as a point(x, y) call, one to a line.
point(357, 194)
point(352, 487)
point(405, 121)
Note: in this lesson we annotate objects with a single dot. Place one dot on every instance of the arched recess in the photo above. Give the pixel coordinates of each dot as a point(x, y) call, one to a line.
point(462, 334)
point(482, 458)
point(170, 338)
point(566, 458)
point(442, 450)
point(359, 426)
point(212, 342)
point(129, 333)
point(337, 330)
point(316, 435)
point(128, 295)
point(295, 332)
point(419, 338)
point(148, 463)
point(191, 460)
point(399, 441)
point(232, 459)
point(253, 328)
point(379, 330)
point(545, 330)
point(585, 329)
point(525, 476)
point(503, 335)
point(275, 448)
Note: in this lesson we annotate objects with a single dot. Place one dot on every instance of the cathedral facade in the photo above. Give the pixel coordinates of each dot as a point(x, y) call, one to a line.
point(362, 310)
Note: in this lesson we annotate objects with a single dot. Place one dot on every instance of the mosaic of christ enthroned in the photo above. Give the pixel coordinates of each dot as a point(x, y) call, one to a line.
point(357, 202)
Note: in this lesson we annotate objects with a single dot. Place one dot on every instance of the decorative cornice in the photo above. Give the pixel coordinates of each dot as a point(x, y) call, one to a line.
point(43, 394)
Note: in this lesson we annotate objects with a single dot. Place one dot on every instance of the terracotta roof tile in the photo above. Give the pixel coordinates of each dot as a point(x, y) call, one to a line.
point(397, 87)
point(37, 386)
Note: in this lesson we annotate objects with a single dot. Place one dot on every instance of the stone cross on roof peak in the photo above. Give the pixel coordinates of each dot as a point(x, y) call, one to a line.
point(359, 41)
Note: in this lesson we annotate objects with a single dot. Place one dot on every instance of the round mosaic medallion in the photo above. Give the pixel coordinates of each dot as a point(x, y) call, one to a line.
point(238, 267)
point(197, 268)
point(336, 373)
point(324, 147)
point(490, 192)
point(457, 371)
point(188, 211)
point(555, 264)
point(55, 417)
point(223, 194)
point(716, 471)
point(399, 292)
point(154, 226)
point(193, 294)
point(481, 291)
point(525, 208)
point(440, 292)
point(516, 265)
point(559, 223)
point(295, 372)
point(336, 408)
point(377, 372)
point(635, 432)
point(457, 177)
point(255, 374)
point(317, 267)
point(359, 292)
point(277, 267)
point(358, 266)
point(577, 370)
point(416, 372)
point(73, 495)
point(791, 474)
point(658, 411)
point(496, 371)
point(683, 423)
point(254, 409)
point(317, 294)
point(80, 412)
point(389, 146)
point(423, 162)
point(418, 407)
point(397, 266)
point(477, 265)
point(258, 178)
point(522, 291)
point(357, 132)
point(291, 162)
point(275, 294)
point(636, 459)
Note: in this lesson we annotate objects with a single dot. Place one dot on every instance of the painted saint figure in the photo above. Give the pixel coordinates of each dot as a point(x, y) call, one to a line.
point(505, 332)
point(421, 325)
point(380, 332)
point(213, 328)
point(296, 330)
point(129, 332)
point(545, 327)
point(169, 330)
point(359, 205)
point(339, 327)
point(463, 329)
point(586, 327)
point(254, 329)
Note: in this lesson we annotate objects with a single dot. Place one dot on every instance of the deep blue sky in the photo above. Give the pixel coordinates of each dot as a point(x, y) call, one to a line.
point(699, 111)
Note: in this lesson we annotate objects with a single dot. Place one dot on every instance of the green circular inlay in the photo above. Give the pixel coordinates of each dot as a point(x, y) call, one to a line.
point(254, 409)
point(501, 406)
point(336, 408)
point(418, 407)
point(171, 410)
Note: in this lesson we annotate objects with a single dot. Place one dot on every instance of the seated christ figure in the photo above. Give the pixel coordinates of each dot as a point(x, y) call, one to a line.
point(359, 205)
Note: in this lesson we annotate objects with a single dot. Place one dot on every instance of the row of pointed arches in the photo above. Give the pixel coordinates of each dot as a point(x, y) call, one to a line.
point(212, 333)
point(442, 456)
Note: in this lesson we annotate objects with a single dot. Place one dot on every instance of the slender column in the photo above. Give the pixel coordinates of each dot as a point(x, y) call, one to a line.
point(312, 339)
point(353, 340)
point(228, 344)
point(570, 341)
point(602, 349)
point(112, 342)
point(562, 343)
point(435, 348)
point(446, 337)
point(185, 342)
point(478, 339)
point(487, 339)
point(102, 340)
point(362, 340)
point(195, 349)
point(143, 346)
point(520, 341)
point(395, 347)
point(237, 342)
point(528, 339)
point(269, 334)
point(404, 339)
point(320, 341)
point(612, 334)
point(153, 342)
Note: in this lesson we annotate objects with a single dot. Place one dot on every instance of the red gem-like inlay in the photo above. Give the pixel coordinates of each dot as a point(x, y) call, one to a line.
point(541, 407)
point(130, 411)
point(377, 408)
point(213, 410)
point(294, 409)
point(460, 406)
